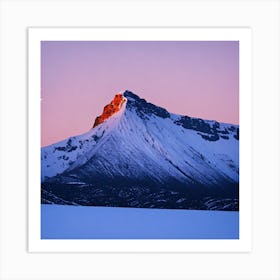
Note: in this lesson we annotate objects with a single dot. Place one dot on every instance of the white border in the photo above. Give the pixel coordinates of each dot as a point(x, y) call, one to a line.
point(262, 262)
point(243, 35)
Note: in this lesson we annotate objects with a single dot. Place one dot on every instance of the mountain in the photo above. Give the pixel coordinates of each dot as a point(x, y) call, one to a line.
point(138, 154)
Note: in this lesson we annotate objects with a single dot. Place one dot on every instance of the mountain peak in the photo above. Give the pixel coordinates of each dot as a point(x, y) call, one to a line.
point(113, 107)
point(130, 95)
point(144, 108)
point(142, 156)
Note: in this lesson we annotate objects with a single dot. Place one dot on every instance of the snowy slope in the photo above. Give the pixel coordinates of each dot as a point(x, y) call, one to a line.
point(145, 146)
point(58, 157)
point(71, 222)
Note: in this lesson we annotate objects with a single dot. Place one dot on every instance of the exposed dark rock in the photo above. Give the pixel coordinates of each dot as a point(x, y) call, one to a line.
point(144, 108)
point(236, 136)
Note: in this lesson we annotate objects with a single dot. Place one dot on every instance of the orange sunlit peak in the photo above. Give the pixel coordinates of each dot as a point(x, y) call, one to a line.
point(110, 109)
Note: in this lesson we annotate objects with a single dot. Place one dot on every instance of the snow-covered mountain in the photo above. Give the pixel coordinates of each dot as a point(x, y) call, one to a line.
point(139, 155)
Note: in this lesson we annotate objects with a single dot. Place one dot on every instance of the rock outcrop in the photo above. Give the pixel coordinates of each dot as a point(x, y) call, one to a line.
point(110, 109)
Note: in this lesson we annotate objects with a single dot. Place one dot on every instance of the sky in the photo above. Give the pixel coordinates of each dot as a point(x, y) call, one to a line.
point(78, 78)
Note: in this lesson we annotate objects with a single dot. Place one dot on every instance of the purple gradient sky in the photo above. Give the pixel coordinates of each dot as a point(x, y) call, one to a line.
point(198, 79)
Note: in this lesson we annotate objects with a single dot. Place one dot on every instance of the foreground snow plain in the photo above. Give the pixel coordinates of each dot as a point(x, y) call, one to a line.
point(86, 222)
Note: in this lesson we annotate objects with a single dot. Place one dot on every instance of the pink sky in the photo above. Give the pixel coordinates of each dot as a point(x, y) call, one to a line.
point(198, 79)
